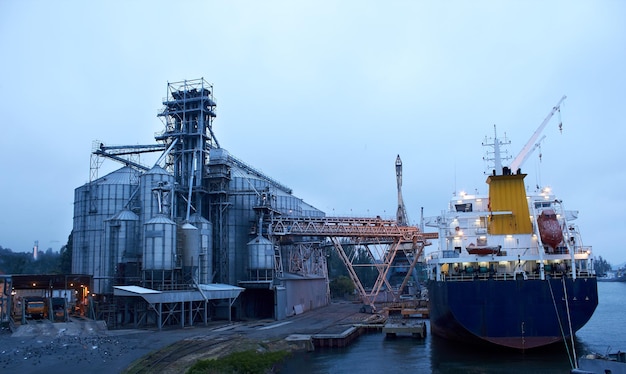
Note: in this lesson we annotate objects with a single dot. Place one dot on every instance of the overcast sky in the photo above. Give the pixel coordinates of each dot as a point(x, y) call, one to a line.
point(321, 96)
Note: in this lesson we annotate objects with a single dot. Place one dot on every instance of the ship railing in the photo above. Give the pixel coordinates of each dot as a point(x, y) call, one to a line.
point(509, 251)
point(478, 276)
point(442, 254)
point(585, 274)
point(462, 277)
point(582, 249)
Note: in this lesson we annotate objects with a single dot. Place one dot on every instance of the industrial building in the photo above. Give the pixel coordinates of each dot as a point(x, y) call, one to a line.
point(181, 240)
point(201, 234)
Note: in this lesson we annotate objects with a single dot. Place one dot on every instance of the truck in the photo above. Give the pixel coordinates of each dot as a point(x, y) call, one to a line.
point(58, 308)
point(34, 307)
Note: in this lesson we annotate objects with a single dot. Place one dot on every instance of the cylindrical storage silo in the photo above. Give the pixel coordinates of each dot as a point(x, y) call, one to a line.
point(205, 261)
point(191, 244)
point(121, 244)
point(94, 204)
point(155, 193)
point(159, 247)
point(130, 243)
point(260, 254)
point(122, 233)
point(190, 252)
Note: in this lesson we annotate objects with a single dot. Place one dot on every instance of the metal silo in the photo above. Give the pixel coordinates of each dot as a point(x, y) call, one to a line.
point(122, 236)
point(261, 258)
point(191, 249)
point(94, 204)
point(159, 247)
point(122, 244)
point(155, 193)
point(205, 260)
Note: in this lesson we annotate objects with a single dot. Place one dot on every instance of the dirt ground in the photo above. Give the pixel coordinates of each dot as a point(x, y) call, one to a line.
point(96, 350)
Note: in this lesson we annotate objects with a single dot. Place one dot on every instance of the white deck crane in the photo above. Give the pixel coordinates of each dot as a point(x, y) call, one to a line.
point(532, 143)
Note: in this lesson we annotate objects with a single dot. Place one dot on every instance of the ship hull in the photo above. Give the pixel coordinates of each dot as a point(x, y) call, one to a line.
point(520, 314)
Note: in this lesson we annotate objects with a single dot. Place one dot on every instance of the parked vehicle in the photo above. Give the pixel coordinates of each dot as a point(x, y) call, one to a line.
point(35, 307)
point(58, 308)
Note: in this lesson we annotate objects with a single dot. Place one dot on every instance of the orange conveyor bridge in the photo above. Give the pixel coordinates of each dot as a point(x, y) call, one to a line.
point(383, 239)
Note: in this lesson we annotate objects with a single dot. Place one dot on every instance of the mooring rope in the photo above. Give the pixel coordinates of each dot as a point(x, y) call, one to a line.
point(560, 324)
point(569, 320)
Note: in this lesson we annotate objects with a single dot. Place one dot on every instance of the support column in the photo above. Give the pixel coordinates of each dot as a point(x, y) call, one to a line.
point(160, 316)
point(182, 314)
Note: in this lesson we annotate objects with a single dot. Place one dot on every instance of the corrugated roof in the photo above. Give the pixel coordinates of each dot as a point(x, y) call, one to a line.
point(125, 175)
point(259, 240)
point(212, 291)
point(196, 218)
point(219, 287)
point(156, 169)
point(137, 290)
point(160, 218)
point(125, 215)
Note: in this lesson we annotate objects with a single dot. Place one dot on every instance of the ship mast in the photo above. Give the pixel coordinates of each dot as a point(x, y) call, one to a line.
point(497, 154)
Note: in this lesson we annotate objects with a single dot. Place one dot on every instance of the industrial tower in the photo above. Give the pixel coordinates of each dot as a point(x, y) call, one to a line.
point(188, 117)
point(401, 216)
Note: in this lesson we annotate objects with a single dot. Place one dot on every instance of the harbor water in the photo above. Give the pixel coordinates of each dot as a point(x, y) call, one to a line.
point(374, 353)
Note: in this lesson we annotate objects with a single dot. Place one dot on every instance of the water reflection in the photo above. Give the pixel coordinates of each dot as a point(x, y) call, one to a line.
point(373, 353)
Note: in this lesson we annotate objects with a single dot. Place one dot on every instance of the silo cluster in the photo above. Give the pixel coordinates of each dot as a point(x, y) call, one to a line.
point(189, 219)
point(124, 233)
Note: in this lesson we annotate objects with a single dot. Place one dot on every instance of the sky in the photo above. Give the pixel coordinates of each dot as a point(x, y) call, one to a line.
point(321, 96)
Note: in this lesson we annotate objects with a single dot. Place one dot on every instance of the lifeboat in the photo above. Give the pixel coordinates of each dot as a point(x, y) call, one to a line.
point(483, 250)
point(550, 229)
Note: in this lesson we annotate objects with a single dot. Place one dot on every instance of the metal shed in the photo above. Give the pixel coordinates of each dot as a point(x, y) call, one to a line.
point(178, 303)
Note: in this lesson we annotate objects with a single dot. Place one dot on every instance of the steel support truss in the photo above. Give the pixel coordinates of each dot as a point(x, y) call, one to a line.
point(183, 313)
point(382, 239)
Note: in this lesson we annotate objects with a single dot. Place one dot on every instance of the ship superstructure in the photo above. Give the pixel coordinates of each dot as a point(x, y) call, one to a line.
point(511, 267)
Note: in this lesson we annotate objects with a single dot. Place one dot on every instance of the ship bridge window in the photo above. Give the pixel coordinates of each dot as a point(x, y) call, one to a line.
point(466, 207)
point(542, 204)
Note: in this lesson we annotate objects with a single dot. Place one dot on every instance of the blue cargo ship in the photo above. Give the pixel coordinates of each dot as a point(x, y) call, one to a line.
point(511, 268)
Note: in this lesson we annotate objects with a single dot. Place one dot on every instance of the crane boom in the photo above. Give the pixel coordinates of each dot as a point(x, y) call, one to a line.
point(531, 144)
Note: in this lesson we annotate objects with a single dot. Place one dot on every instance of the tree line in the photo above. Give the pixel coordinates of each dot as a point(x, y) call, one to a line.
point(602, 266)
point(47, 262)
point(340, 282)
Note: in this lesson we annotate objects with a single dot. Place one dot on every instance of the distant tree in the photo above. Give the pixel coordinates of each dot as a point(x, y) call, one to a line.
point(15, 263)
point(602, 266)
point(336, 267)
point(48, 262)
point(362, 263)
point(365, 269)
point(341, 286)
point(65, 262)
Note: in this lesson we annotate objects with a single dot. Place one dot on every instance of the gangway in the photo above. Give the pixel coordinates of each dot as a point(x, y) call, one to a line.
point(371, 233)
